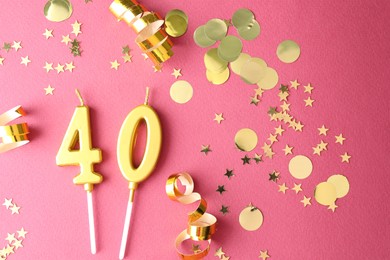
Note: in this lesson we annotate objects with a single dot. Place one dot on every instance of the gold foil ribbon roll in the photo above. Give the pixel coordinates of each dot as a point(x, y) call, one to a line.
point(12, 136)
point(151, 36)
point(201, 225)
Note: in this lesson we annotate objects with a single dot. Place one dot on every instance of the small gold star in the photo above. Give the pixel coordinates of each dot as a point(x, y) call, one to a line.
point(297, 188)
point(176, 73)
point(126, 49)
point(1, 60)
point(219, 118)
point(345, 157)
point(17, 244)
point(76, 28)
point(258, 158)
point(288, 150)
point(70, 66)
point(114, 64)
point(259, 91)
point(306, 201)
point(323, 145)
point(25, 61)
point(317, 150)
point(333, 207)
point(340, 139)
point(309, 102)
point(48, 33)
point(49, 90)
point(7, 203)
point(59, 68)
point(323, 130)
point(10, 238)
point(219, 253)
point(298, 127)
point(264, 254)
point(15, 209)
point(294, 84)
point(308, 88)
point(285, 106)
point(283, 188)
point(16, 46)
point(66, 39)
point(272, 138)
point(22, 233)
point(127, 57)
point(145, 56)
point(254, 100)
point(205, 149)
point(279, 130)
point(283, 96)
point(48, 66)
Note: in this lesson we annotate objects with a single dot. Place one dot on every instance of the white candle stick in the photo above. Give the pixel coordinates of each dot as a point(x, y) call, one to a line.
point(91, 222)
point(126, 227)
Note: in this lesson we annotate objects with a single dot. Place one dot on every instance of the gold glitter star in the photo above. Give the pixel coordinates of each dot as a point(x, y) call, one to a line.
point(7, 46)
point(306, 201)
point(340, 139)
point(10, 238)
point(7, 203)
point(259, 91)
point(219, 118)
point(9, 250)
point(323, 145)
point(288, 150)
point(317, 150)
point(49, 90)
point(279, 130)
point(245, 160)
point(298, 127)
point(229, 173)
point(16, 46)
point(333, 207)
point(274, 176)
point(219, 253)
point(17, 244)
point(48, 66)
point(225, 257)
point(308, 88)
point(323, 130)
point(22, 233)
point(254, 100)
point(283, 96)
point(345, 157)
point(272, 138)
point(66, 39)
point(258, 158)
point(76, 28)
point(309, 102)
point(114, 64)
point(1, 60)
point(59, 68)
point(224, 210)
point(126, 49)
point(285, 106)
point(25, 61)
point(297, 188)
point(15, 209)
point(176, 73)
point(48, 33)
point(127, 58)
point(205, 149)
point(221, 189)
point(264, 254)
point(294, 84)
point(145, 56)
point(283, 188)
point(70, 66)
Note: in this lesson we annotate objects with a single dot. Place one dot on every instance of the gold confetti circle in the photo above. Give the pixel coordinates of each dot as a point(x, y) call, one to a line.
point(242, 17)
point(239, 62)
point(215, 29)
point(300, 167)
point(230, 48)
point(341, 184)
point(213, 62)
point(57, 10)
point(251, 218)
point(288, 51)
point(325, 193)
point(253, 71)
point(250, 31)
point(176, 22)
point(181, 91)
point(218, 78)
point(246, 139)
point(270, 79)
point(201, 38)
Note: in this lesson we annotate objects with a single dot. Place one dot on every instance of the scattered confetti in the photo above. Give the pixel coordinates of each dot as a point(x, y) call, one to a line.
point(205, 149)
point(283, 188)
point(288, 150)
point(221, 189)
point(294, 84)
point(181, 91)
point(49, 90)
point(264, 254)
point(75, 49)
point(251, 218)
point(25, 61)
point(126, 49)
point(48, 34)
point(176, 73)
point(1, 60)
point(297, 188)
point(58, 10)
point(245, 139)
point(258, 158)
point(7, 203)
point(219, 253)
point(14, 209)
point(309, 102)
point(306, 201)
point(288, 51)
point(76, 28)
point(229, 173)
point(224, 210)
point(176, 23)
point(69, 66)
point(16, 45)
point(59, 68)
point(323, 130)
point(66, 39)
point(274, 176)
point(219, 118)
point(300, 167)
point(245, 160)
point(127, 58)
point(7, 46)
point(308, 88)
point(345, 157)
point(48, 66)
point(340, 139)
point(114, 64)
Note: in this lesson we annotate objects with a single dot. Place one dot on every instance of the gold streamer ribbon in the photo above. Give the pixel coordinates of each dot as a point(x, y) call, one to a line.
point(201, 225)
point(151, 36)
point(12, 136)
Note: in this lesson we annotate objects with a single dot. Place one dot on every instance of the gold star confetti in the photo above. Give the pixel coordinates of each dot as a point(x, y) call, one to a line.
point(59, 68)
point(309, 102)
point(254, 100)
point(245, 160)
point(22, 233)
point(345, 157)
point(126, 49)
point(7, 203)
point(297, 188)
point(298, 127)
point(323, 130)
point(16, 45)
point(259, 91)
point(317, 150)
point(48, 66)
point(10, 238)
point(308, 88)
point(49, 90)
point(285, 106)
point(114, 64)
point(333, 207)
point(221, 189)
point(306, 201)
point(229, 173)
point(288, 150)
point(7, 46)
point(145, 56)
point(274, 176)
point(48, 33)
point(25, 61)
point(69, 66)
point(224, 210)
point(323, 145)
point(75, 49)
point(340, 139)
point(127, 58)
point(224, 257)
point(219, 118)
point(1, 60)
point(17, 244)
point(294, 84)
point(176, 73)
point(219, 253)
point(15, 209)
point(283, 188)
point(264, 254)
point(76, 28)
point(205, 149)
point(66, 39)
point(283, 96)
point(272, 138)
point(279, 130)
point(258, 158)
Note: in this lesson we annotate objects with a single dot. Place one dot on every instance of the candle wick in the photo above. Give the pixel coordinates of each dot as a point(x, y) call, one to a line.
point(147, 96)
point(80, 97)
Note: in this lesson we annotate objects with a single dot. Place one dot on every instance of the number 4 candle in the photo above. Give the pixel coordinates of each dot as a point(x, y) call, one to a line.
point(79, 131)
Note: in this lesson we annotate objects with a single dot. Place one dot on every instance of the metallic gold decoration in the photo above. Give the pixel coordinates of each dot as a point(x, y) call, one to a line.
point(270, 80)
point(230, 48)
point(201, 225)
point(246, 139)
point(176, 23)
point(341, 184)
point(201, 38)
point(215, 29)
point(249, 31)
point(251, 218)
point(242, 17)
point(288, 51)
point(239, 62)
point(213, 62)
point(57, 10)
point(253, 71)
point(300, 167)
point(325, 193)
point(12, 136)
point(181, 91)
point(218, 78)
point(151, 36)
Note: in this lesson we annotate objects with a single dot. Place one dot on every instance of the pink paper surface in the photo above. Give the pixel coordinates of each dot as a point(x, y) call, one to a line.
point(344, 55)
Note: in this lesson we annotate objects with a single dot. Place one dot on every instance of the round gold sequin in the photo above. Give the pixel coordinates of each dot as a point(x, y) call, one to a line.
point(249, 31)
point(253, 71)
point(213, 62)
point(218, 78)
point(230, 48)
point(341, 184)
point(251, 218)
point(215, 29)
point(57, 10)
point(181, 91)
point(239, 62)
point(242, 17)
point(245, 139)
point(270, 79)
point(300, 167)
point(288, 51)
point(176, 22)
point(325, 193)
point(201, 38)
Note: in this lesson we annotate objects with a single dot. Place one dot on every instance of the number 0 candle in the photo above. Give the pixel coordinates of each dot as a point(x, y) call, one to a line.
point(79, 131)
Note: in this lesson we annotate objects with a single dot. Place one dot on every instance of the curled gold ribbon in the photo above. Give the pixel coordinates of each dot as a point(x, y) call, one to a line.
point(149, 28)
point(201, 225)
point(12, 136)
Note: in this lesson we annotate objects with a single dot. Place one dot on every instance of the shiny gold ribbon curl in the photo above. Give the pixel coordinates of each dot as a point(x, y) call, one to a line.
point(151, 36)
point(201, 225)
point(12, 136)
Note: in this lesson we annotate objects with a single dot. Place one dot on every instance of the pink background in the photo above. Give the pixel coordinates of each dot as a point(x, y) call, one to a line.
point(345, 55)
